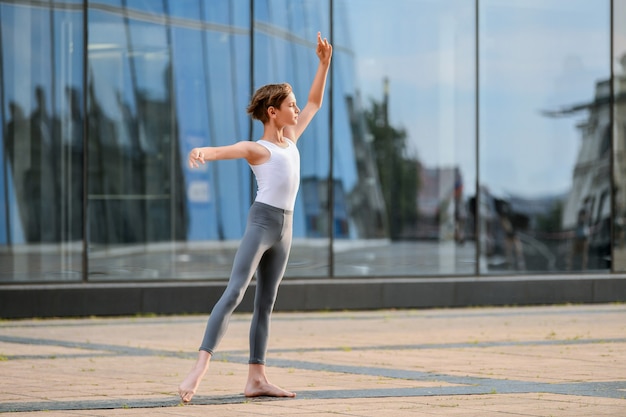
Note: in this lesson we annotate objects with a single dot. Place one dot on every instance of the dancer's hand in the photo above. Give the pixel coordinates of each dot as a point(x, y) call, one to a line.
point(196, 156)
point(324, 49)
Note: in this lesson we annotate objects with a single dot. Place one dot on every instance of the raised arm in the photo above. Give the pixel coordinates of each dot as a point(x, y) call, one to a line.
point(324, 52)
point(250, 151)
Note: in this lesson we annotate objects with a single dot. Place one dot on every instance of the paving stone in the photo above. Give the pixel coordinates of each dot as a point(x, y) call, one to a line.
point(567, 360)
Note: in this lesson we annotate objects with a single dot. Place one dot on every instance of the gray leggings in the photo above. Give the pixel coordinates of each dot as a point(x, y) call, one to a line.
point(265, 248)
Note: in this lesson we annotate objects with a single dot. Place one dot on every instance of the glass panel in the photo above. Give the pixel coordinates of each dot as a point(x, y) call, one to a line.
point(544, 135)
point(134, 177)
point(404, 133)
point(114, 149)
point(42, 142)
point(619, 134)
point(156, 92)
point(285, 40)
point(212, 95)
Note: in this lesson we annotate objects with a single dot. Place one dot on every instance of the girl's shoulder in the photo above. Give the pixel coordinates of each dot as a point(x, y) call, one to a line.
point(255, 152)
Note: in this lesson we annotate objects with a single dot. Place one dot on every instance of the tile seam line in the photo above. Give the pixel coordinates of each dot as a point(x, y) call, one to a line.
point(304, 395)
point(145, 351)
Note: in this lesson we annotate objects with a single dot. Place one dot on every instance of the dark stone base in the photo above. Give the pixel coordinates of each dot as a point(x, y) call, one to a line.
point(110, 299)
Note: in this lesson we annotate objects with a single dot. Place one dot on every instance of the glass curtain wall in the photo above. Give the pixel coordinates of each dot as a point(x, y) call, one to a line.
point(404, 137)
point(41, 157)
point(443, 148)
point(545, 136)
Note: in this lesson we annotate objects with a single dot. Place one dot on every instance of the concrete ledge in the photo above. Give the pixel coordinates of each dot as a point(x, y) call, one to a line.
point(111, 299)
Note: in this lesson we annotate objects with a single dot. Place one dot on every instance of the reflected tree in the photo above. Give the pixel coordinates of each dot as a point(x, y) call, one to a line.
point(398, 171)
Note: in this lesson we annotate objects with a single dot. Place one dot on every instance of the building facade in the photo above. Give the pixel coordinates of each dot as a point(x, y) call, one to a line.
point(466, 151)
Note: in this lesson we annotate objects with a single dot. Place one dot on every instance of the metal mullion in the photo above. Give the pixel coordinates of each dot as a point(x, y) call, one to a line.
point(85, 82)
point(477, 216)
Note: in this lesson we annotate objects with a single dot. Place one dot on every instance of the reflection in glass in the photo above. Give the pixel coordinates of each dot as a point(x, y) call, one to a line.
point(404, 154)
point(211, 98)
point(134, 173)
point(545, 136)
point(395, 197)
point(157, 91)
point(619, 134)
point(42, 137)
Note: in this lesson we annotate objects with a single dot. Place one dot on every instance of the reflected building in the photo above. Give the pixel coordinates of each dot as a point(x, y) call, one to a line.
point(619, 168)
point(117, 145)
point(135, 174)
point(439, 203)
point(31, 145)
point(587, 209)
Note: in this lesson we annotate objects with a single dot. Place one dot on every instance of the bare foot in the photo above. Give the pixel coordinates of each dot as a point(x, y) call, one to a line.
point(260, 388)
point(187, 388)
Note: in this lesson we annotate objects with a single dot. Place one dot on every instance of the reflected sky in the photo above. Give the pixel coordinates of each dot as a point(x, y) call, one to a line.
point(534, 55)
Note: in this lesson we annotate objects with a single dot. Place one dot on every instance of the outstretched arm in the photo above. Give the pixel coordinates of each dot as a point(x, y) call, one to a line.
point(251, 151)
point(324, 52)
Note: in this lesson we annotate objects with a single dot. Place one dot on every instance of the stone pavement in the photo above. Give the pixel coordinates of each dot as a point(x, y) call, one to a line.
point(510, 361)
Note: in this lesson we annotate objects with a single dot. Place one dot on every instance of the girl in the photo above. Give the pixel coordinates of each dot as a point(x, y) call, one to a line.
point(275, 162)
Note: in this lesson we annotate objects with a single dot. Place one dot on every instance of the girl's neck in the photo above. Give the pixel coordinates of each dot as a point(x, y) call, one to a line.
point(274, 135)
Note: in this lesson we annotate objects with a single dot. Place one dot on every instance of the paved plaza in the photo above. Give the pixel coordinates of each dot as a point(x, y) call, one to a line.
point(508, 361)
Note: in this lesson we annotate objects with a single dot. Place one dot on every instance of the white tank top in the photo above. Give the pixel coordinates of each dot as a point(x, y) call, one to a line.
point(278, 178)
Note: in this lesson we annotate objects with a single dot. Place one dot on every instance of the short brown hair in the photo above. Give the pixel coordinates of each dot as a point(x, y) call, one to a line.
point(266, 96)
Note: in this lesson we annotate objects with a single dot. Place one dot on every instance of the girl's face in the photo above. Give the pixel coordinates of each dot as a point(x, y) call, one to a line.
point(288, 112)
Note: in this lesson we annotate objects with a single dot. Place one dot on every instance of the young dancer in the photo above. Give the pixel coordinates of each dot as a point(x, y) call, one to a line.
point(264, 248)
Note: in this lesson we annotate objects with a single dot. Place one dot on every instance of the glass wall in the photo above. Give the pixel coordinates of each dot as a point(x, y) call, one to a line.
point(404, 137)
point(41, 161)
point(444, 147)
point(545, 136)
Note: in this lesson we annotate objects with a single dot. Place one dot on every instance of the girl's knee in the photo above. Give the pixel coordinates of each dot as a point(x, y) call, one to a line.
point(233, 296)
point(264, 305)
